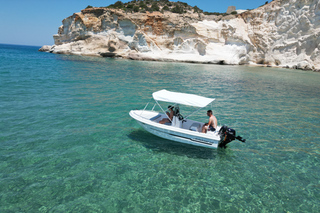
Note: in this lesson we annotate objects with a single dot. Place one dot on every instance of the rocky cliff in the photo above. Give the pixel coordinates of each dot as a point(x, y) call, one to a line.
point(283, 33)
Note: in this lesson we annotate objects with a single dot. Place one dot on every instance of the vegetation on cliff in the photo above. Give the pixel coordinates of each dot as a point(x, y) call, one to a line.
point(158, 5)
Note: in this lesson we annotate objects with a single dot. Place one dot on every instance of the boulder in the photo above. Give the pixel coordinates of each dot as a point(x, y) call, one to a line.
point(45, 48)
point(231, 9)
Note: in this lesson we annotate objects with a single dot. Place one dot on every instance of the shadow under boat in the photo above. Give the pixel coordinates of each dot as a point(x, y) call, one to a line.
point(157, 144)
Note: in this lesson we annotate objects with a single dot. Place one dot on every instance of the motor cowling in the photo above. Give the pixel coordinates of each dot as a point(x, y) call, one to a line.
point(228, 135)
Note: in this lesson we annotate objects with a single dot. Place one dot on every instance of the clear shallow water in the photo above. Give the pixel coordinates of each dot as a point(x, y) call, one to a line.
point(67, 143)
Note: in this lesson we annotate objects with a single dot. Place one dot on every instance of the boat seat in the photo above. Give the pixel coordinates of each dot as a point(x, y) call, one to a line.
point(195, 127)
point(155, 117)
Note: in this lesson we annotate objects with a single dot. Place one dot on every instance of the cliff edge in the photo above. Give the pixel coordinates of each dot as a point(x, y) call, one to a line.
point(283, 33)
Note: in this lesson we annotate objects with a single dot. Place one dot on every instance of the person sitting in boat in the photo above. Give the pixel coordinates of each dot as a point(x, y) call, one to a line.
point(212, 125)
point(169, 114)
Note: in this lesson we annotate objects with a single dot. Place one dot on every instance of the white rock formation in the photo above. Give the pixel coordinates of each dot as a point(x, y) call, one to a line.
point(282, 33)
point(45, 48)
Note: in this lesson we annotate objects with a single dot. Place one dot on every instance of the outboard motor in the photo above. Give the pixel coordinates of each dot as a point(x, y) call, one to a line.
point(227, 135)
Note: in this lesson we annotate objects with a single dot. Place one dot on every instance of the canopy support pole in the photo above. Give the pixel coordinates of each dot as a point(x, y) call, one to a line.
point(194, 112)
point(145, 108)
point(154, 106)
point(163, 110)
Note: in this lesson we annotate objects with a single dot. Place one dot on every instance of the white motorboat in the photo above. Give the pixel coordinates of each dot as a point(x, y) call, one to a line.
point(181, 129)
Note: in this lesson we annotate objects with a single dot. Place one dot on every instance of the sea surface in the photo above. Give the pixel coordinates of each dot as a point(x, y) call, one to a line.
point(68, 144)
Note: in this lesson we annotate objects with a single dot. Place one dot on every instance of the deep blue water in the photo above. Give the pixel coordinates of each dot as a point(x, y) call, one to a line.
point(67, 143)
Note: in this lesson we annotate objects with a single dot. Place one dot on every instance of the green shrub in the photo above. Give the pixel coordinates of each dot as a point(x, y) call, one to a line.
point(197, 9)
point(215, 13)
point(155, 7)
point(142, 4)
point(130, 6)
point(234, 13)
point(177, 9)
point(89, 6)
point(166, 8)
point(118, 4)
point(184, 4)
point(136, 8)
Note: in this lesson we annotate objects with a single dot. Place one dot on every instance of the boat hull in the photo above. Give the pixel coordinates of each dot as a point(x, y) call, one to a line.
point(186, 136)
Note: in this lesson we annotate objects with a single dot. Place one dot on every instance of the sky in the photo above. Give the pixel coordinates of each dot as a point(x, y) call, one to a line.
point(34, 22)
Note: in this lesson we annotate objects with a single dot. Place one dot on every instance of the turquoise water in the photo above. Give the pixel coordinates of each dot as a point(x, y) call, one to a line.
point(67, 143)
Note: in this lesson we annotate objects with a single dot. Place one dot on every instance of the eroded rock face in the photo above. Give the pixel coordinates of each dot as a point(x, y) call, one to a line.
point(285, 33)
point(282, 33)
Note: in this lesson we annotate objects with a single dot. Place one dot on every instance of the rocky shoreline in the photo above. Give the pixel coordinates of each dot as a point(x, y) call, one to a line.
point(47, 48)
point(283, 33)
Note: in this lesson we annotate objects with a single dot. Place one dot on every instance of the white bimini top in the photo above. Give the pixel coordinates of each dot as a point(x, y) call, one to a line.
point(182, 98)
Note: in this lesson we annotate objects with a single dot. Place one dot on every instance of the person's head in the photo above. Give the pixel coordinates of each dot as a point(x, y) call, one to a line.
point(170, 107)
point(209, 112)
